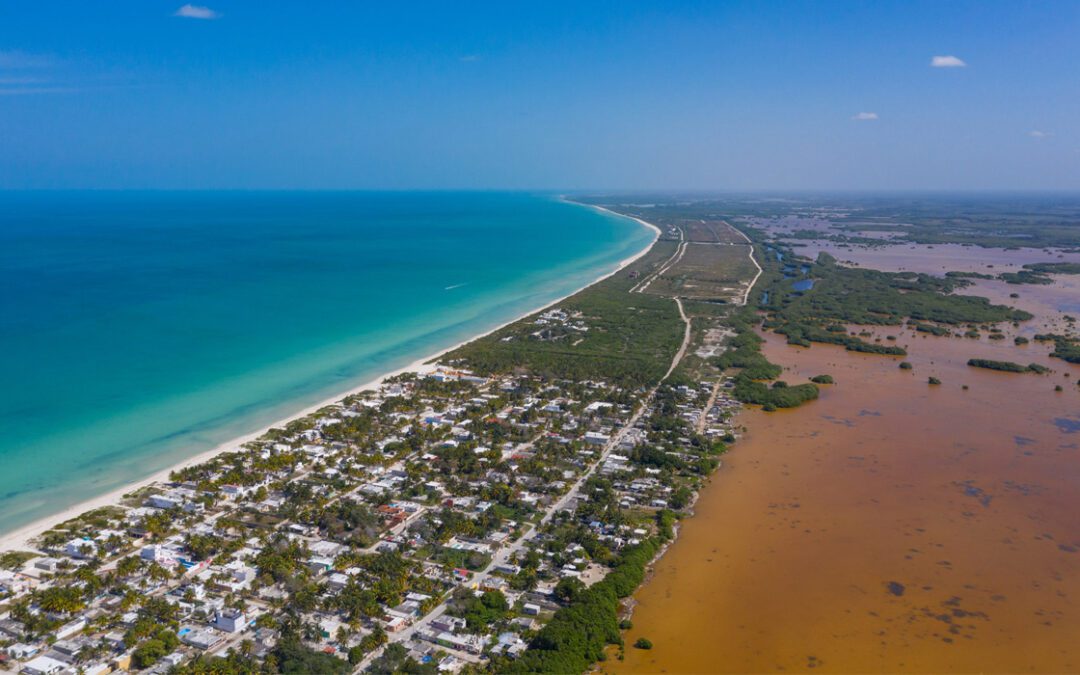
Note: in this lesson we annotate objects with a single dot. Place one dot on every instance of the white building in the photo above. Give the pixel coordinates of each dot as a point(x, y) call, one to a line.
point(230, 620)
point(596, 438)
point(44, 665)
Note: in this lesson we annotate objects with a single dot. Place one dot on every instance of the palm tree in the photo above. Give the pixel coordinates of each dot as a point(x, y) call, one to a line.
point(128, 566)
point(60, 600)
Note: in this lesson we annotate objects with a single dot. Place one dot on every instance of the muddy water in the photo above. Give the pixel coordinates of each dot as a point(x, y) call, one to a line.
point(1047, 303)
point(888, 526)
point(936, 259)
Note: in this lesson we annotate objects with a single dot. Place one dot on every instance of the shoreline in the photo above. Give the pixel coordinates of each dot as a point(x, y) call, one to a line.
point(20, 538)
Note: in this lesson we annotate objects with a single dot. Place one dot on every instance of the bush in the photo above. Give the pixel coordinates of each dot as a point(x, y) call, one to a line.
point(933, 380)
point(822, 379)
point(148, 653)
point(905, 365)
point(294, 657)
point(643, 643)
point(356, 655)
point(575, 637)
point(568, 588)
point(1008, 366)
point(749, 391)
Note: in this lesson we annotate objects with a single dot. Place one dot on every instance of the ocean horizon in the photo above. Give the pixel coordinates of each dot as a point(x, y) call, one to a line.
point(143, 328)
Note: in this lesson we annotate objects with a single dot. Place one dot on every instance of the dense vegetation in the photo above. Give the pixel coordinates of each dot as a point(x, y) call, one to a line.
point(802, 334)
point(969, 275)
point(293, 657)
point(921, 327)
point(630, 340)
point(1054, 268)
point(1007, 221)
point(869, 297)
point(1007, 366)
point(1037, 273)
point(779, 395)
point(744, 354)
point(1004, 221)
point(1065, 348)
point(843, 295)
point(576, 636)
point(1025, 277)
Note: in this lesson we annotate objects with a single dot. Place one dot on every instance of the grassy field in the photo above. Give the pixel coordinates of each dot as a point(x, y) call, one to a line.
point(710, 231)
point(707, 272)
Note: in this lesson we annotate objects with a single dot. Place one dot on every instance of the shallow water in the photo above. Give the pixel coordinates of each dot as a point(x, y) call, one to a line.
point(933, 259)
point(137, 329)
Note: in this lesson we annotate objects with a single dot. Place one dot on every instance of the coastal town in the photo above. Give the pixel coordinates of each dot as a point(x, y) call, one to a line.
point(439, 522)
point(446, 514)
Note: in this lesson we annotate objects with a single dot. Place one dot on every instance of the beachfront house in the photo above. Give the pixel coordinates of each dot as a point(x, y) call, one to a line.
point(81, 548)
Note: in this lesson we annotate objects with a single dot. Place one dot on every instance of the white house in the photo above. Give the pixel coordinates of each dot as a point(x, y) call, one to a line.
point(44, 665)
point(230, 620)
point(81, 548)
point(596, 438)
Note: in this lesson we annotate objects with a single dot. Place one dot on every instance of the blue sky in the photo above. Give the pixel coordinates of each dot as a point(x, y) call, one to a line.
point(547, 95)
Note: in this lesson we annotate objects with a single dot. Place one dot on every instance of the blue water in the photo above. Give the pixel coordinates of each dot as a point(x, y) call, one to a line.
point(141, 328)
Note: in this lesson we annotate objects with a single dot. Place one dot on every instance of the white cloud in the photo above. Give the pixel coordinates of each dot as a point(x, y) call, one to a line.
point(865, 116)
point(196, 12)
point(1039, 135)
point(947, 62)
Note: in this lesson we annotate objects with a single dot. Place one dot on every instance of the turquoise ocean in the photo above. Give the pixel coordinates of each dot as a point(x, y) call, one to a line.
point(141, 328)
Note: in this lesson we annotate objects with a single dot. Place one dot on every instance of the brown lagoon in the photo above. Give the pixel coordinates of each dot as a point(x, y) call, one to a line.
point(889, 526)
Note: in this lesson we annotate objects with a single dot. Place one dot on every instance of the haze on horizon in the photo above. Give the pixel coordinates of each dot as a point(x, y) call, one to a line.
point(555, 95)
